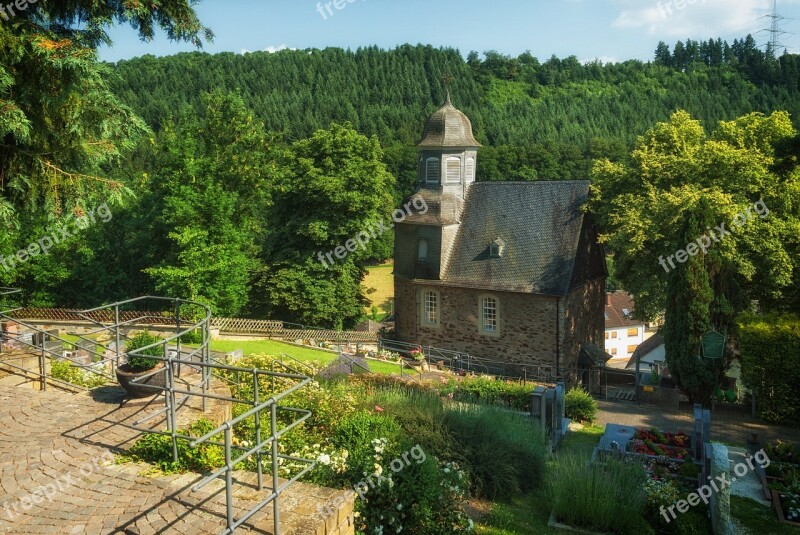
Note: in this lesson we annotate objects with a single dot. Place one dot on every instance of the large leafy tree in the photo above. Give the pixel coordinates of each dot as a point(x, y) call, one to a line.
point(328, 188)
point(680, 185)
point(210, 187)
point(61, 128)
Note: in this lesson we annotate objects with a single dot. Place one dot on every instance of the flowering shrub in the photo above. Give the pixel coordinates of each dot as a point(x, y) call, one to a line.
point(660, 493)
point(648, 447)
point(790, 503)
point(417, 355)
point(391, 356)
point(661, 468)
point(679, 439)
point(780, 451)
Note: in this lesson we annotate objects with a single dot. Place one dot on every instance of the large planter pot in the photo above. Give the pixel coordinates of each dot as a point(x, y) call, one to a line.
point(125, 375)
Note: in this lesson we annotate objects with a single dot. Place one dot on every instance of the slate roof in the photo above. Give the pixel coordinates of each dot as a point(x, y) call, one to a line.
point(448, 127)
point(443, 208)
point(645, 348)
point(540, 223)
point(591, 356)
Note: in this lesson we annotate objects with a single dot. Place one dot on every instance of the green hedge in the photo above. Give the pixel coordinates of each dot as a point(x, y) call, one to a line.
point(770, 349)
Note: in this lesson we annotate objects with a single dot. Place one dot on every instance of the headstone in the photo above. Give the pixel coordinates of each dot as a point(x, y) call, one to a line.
point(25, 338)
point(706, 426)
point(708, 453)
point(697, 432)
point(720, 505)
point(539, 409)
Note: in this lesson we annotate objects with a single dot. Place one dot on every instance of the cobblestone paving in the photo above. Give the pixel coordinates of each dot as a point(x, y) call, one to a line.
point(56, 476)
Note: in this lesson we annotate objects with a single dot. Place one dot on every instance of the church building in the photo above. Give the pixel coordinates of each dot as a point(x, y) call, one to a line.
point(505, 271)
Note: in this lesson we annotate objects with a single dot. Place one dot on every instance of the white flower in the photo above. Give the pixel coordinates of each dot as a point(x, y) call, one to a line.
point(378, 469)
point(399, 506)
point(325, 459)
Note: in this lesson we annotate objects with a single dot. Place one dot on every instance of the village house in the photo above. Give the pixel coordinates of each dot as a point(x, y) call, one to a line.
point(506, 271)
point(623, 333)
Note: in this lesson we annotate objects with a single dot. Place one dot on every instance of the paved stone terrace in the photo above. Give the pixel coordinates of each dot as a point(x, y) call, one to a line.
point(728, 426)
point(47, 438)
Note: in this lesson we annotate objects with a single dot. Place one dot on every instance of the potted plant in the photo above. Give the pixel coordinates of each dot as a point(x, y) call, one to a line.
point(139, 364)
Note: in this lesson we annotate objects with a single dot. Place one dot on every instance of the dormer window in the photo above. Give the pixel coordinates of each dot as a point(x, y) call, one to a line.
point(422, 250)
point(497, 248)
point(432, 171)
point(454, 170)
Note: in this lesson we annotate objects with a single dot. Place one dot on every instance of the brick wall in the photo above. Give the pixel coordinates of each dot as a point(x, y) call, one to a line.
point(528, 327)
point(582, 321)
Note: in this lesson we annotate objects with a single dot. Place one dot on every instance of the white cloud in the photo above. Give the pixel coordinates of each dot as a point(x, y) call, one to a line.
point(602, 59)
point(692, 18)
point(270, 49)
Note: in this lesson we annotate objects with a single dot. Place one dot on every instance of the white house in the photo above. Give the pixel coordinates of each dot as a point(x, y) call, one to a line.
point(623, 334)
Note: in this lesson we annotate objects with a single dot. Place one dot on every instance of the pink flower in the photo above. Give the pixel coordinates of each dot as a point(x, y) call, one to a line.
point(378, 408)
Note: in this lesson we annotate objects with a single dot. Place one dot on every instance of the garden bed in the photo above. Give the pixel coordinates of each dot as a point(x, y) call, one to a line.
point(652, 443)
point(787, 507)
point(780, 481)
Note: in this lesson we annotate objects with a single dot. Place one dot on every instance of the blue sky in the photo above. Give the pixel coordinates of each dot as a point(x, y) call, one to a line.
point(610, 30)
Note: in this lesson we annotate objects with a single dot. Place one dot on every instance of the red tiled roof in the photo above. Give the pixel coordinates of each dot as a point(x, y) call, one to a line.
point(616, 303)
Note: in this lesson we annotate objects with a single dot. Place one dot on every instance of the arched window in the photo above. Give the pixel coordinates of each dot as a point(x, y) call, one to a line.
point(470, 172)
point(432, 171)
point(489, 315)
point(454, 170)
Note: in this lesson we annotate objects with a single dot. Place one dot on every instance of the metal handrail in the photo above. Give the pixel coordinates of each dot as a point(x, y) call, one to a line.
point(226, 429)
point(352, 363)
point(48, 354)
point(43, 376)
point(173, 403)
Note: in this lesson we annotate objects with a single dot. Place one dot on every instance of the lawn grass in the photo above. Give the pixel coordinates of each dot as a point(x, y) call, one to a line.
point(757, 518)
point(305, 354)
point(380, 279)
point(529, 514)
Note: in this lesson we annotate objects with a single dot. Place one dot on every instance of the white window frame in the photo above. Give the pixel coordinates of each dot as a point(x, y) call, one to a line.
point(451, 160)
point(437, 166)
point(485, 327)
point(431, 306)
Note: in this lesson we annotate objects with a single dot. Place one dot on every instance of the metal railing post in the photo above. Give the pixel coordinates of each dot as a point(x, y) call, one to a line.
point(170, 395)
point(258, 429)
point(205, 359)
point(228, 481)
point(275, 480)
point(178, 332)
point(116, 332)
point(43, 368)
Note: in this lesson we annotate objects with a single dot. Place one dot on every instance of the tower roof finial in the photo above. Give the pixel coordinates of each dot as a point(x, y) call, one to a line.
point(447, 78)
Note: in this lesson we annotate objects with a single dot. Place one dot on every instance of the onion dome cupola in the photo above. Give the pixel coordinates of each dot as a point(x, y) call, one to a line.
point(448, 151)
